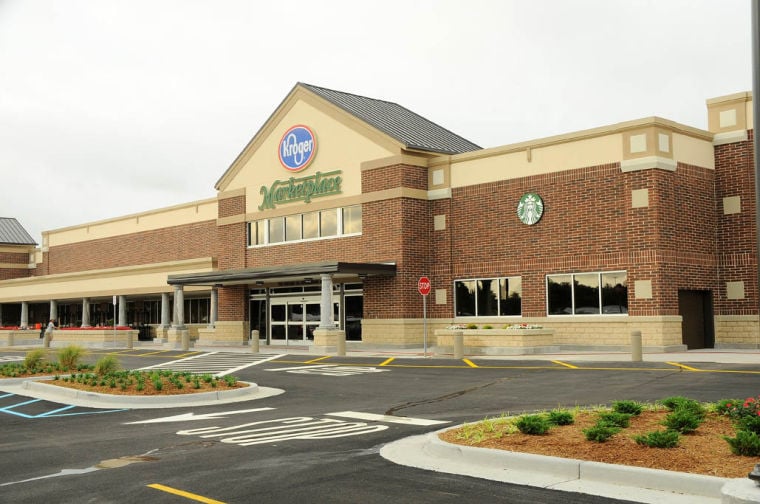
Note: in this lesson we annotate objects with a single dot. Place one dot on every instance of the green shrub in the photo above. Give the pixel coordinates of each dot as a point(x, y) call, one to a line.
point(632, 408)
point(471, 326)
point(615, 419)
point(487, 326)
point(745, 443)
point(659, 439)
point(535, 425)
point(107, 364)
point(682, 403)
point(560, 417)
point(230, 380)
point(749, 424)
point(69, 356)
point(600, 432)
point(34, 359)
point(684, 421)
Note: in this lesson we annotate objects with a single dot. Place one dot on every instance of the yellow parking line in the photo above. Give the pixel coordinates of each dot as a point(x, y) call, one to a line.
point(312, 361)
point(682, 366)
point(387, 361)
point(565, 364)
point(185, 354)
point(469, 363)
point(182, 493)
point(152, 353)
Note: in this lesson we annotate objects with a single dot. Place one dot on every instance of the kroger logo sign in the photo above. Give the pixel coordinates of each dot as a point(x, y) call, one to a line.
point(297, 148)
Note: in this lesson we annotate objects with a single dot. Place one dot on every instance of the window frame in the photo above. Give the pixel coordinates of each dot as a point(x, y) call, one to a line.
point(499, 302)
point(600, 295)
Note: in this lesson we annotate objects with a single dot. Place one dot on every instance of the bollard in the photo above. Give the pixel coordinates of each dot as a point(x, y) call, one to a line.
point(458, 345)
point(341, 343)
point(636, 346)
point(185, 340)
point(130, 343)
point(255, 341)
point(11, 339)
point(46, 340)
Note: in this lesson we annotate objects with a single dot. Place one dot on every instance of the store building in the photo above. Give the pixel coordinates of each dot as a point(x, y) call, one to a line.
point(340, 203)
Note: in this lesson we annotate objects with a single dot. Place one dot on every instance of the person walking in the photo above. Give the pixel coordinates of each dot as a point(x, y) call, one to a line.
point(49, 333)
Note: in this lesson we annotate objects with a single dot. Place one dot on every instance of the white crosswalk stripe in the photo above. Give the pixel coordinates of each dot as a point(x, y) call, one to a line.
point(216, 363)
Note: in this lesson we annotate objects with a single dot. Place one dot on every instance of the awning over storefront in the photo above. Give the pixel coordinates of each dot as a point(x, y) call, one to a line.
point(290, 273)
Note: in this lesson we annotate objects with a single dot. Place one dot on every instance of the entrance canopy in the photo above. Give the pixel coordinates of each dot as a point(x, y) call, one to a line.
point(292, 273)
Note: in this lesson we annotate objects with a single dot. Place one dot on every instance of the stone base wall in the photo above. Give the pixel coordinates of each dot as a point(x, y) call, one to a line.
point(737, 331)
point(94, 338)
point(20, 337)
point(398, 333)
point(224, 333)
point(599, 333)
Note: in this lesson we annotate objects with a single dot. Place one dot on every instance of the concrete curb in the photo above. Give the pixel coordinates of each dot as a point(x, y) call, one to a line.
point(428, 451)
point(39, 390)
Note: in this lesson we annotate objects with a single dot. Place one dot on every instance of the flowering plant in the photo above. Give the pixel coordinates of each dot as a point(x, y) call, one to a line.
point(525, 326)
point(737, 409)
point(456, 327)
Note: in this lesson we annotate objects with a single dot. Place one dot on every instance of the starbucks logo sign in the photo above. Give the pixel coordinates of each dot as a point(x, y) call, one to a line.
point(530, 209)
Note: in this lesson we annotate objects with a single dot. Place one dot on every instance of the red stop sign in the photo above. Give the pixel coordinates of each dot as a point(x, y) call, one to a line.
point(423, 285)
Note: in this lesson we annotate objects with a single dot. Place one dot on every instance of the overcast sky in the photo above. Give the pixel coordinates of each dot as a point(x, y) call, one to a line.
point(111, 107)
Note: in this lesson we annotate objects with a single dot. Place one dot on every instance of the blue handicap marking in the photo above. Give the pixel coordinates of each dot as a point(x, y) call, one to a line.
point(56, 412)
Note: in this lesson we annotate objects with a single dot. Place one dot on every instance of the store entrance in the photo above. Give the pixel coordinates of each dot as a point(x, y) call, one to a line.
point(294, 320)
point(285, 314)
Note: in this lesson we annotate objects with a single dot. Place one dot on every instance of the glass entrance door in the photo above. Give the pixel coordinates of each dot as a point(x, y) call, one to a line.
point(294, 320)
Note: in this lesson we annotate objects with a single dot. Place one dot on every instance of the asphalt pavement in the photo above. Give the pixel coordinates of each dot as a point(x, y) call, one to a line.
point(430, 453)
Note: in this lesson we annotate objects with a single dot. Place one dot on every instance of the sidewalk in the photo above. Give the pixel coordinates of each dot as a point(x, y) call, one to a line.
point(727, 356)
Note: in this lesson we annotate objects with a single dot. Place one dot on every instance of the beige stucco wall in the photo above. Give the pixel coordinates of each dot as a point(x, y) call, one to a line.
point(145, 279)
point(340, 146)
point(178, 215)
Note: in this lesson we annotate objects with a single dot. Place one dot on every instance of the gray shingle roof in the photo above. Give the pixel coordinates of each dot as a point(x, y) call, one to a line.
point(411, 129)
point(12, 233)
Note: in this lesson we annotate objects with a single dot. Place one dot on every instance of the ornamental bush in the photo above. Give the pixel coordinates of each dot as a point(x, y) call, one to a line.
point(683, 420)
point(600, 432)
point(745, 443)
point(659, 439)
point(560, 417)
point(535, 425)
point(628, 407)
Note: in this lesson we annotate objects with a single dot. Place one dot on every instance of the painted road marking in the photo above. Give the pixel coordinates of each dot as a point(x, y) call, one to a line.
point(469, 363)
point(387, 361)
point(188, 417)
point(12, 358)
point(331, 370)
point(318, 359)
point(56, 412)
point(565, 364)
point(284, 429)
point(216, 363)
point(358, 415)
point(683, 366)
point(182, 493)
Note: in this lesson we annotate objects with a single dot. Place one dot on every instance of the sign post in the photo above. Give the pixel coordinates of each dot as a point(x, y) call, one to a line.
point(423, 287)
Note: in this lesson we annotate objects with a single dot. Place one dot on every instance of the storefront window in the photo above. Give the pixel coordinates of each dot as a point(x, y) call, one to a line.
point(311, 225)
point(293, 228)
point(328, 223)
point(352, 219)
point(488, 297)
point(587, 293)
point(276, 230)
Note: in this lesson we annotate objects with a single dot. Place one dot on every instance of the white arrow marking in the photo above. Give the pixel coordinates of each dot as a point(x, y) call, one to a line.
point(386, 418)
point(316, 366)
point(189, 417)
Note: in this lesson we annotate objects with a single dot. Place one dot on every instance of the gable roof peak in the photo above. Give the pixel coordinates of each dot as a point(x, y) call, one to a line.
point(398, 122)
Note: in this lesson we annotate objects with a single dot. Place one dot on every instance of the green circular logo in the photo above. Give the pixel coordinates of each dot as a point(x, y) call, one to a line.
point(530, 209)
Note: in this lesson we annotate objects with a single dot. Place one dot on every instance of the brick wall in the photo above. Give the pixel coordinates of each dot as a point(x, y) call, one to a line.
point(20, 258)
point(588, 225)
point(167, 244)
point(736, 233)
